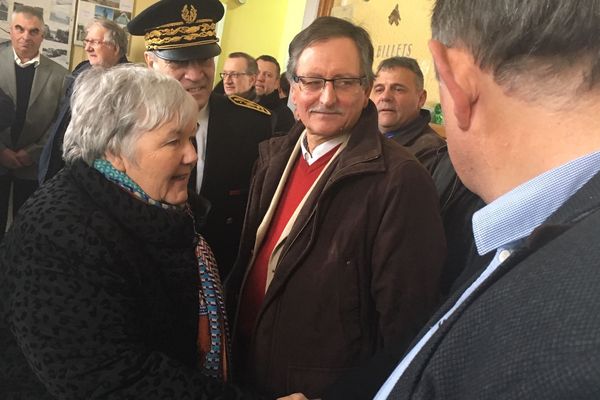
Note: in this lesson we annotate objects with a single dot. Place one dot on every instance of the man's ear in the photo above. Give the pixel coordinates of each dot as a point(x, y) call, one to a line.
point(368, 90)
point(422, 98)
point(455, 71)
point(292, 93)
point(148, 58)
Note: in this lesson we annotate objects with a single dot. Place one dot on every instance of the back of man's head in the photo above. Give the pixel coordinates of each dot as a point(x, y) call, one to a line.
point(284, 86)
point(529, 46)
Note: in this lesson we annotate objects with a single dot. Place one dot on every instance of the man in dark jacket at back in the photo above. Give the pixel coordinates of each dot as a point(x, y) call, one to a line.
point(267, 94)
point(399, 94)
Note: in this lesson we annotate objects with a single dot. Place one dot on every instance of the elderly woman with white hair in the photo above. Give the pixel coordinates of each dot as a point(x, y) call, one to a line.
point(107, 287)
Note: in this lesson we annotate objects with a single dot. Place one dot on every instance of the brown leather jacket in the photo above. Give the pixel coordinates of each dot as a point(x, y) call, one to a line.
point(359, 272)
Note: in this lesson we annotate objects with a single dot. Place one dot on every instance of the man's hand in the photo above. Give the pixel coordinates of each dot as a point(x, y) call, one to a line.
point(295, 396)
point(24, 158)
point(9, 159)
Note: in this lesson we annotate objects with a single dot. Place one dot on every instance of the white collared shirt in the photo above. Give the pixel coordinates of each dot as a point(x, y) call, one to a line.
point(35, 60)
point(321, 149)
point(201, 135)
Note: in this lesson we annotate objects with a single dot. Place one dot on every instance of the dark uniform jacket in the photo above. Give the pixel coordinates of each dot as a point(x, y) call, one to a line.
point(359, 271)
point(530, 331)
point(421, 140)
point(101, 292)
point(235, 127)
point(457, 203)
point(282, 117)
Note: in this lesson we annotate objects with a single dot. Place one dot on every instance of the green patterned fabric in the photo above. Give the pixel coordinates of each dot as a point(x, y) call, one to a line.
point(125, 182)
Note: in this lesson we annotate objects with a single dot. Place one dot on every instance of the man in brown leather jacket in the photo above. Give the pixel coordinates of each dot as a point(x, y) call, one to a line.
point(343, 244)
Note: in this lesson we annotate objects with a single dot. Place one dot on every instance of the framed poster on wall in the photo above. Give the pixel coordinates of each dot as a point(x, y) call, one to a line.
point(58, 17)
point(397, 28)
point(118, 11)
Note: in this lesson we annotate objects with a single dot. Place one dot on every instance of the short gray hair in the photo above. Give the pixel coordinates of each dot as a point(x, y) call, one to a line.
point(114, 34)
point(324, 28)
point(525, 42)
point(407, 63)
point(112, 107)
point(251, 64)
point(31, 12)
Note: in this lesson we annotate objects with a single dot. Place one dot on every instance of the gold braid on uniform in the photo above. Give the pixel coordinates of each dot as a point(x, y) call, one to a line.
point(168, 35)
point(243, 102)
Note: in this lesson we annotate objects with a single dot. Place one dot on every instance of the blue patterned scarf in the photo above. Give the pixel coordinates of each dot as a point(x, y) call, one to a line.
point(213, 331)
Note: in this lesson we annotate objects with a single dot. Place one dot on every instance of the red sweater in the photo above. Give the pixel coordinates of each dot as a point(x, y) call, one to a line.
point(299, 182)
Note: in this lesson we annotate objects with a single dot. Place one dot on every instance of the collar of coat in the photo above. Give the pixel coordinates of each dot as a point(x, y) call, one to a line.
point(151, 224)
point(363, 153)
point(409, 133)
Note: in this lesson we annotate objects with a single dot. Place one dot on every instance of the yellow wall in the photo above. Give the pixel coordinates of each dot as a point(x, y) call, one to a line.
point(409, 38)
point(257, 27)
point(261, 27)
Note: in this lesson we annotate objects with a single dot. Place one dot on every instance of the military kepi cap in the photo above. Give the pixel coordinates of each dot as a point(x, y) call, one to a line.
point(180, 30)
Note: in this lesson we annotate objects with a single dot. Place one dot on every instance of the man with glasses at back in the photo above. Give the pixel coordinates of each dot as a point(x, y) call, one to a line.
point(342, 244)
point(105, 45)
point(239, 75)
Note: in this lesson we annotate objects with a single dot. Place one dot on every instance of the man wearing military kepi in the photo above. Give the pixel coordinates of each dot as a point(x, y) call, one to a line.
point(180, 39)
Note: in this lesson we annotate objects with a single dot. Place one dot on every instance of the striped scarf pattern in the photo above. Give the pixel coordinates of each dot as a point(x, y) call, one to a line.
point(213, 343)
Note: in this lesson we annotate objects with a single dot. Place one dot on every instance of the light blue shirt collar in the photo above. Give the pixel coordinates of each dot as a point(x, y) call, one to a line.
point(516, 214)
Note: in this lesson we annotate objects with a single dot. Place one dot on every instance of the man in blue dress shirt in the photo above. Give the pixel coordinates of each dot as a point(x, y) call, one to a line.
point(520, 88)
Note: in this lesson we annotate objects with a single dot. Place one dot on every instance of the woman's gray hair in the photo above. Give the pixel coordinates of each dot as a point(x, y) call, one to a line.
point(112, 107)
point(324, 28)
point(114, 34)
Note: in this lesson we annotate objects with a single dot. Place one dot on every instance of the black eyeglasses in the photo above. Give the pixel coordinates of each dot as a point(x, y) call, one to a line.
point(234, 75)
point(311, 84)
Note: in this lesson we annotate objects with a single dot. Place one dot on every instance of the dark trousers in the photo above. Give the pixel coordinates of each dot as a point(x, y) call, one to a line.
point(22, 189)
